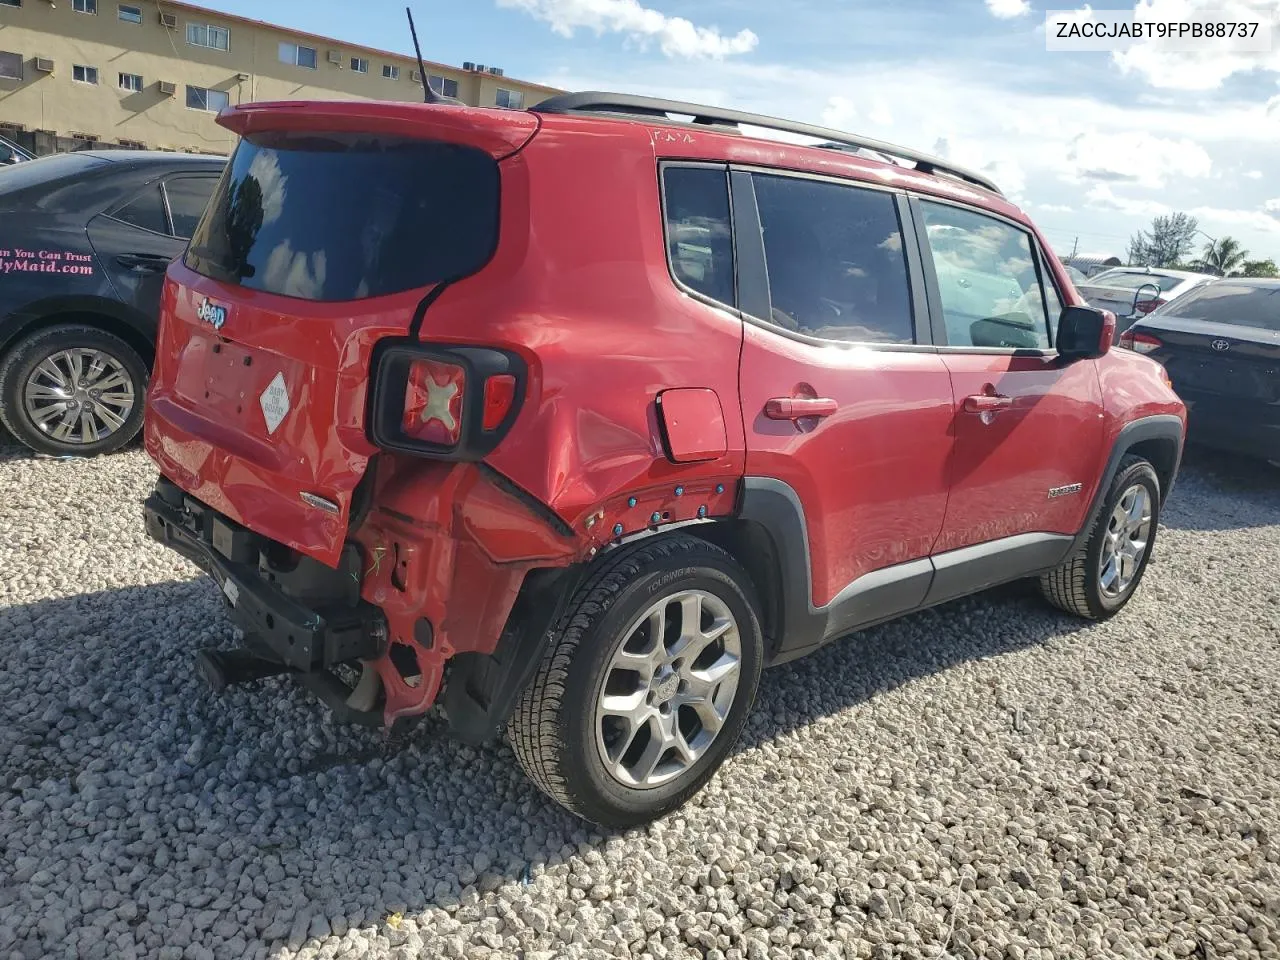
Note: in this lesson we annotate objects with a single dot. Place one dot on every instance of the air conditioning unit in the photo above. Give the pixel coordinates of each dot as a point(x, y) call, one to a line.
point(335, 57)
point(468, 66)
point(415, 76)
point(167, 88)
point(44, 64)
point(496, 71)
point(169, 20)
point(480, 68)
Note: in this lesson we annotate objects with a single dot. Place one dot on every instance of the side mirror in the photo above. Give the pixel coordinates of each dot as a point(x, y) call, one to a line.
point(1085, 333)
point(1152, 295)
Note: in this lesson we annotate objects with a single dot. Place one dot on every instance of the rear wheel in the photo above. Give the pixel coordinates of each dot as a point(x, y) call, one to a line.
point(1102, 576)
point(72, 390)
point(645, 685)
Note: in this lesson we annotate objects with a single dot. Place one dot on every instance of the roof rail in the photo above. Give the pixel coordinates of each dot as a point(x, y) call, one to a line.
point(631, 106)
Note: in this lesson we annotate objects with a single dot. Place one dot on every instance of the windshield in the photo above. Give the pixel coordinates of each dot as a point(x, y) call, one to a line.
point(332, 217)
point(1237, 304)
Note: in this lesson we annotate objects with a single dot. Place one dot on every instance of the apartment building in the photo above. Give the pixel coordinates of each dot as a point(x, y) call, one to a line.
point(154, 73)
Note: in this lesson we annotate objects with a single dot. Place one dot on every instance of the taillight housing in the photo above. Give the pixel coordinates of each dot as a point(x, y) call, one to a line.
point(1140, 342)
point(1146, 306)
point(450, 402)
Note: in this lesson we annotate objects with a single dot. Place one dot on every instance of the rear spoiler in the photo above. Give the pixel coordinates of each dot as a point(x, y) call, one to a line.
point(499, 133)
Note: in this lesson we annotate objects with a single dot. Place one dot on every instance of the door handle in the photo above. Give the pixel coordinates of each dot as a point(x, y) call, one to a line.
point(143, 262)
point(797, 408)
point(986, 403)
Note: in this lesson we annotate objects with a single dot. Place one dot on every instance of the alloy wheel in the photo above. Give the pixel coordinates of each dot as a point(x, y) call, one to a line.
point(668, 689)
point(79, 395)
point(1125, 542)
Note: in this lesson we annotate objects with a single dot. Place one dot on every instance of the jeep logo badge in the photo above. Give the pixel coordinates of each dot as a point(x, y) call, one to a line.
point(212, 314)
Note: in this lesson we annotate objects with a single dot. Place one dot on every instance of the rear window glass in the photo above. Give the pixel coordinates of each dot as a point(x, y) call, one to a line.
point(1237, 304)
point(1132, 281)
point(333, 217)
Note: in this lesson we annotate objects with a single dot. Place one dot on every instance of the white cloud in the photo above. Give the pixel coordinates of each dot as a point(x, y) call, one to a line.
point(1008, 9)
point(1124, 156)
point(1102, 196)
point(840, 113)
point(1266, 220)
point(1052, 207)
point(1206, 68)
point(676, 36)
point(1253, 174)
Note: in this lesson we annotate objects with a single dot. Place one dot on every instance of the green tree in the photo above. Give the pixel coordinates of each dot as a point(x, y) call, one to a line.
point(1260, 268)
point(1223, 257)
point(1166, 243)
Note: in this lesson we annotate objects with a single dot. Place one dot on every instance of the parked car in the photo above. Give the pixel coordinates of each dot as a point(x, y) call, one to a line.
point(1221, 346)
point(581, 430)
point(84, 242)
point(11, 153)
point(1133, 292)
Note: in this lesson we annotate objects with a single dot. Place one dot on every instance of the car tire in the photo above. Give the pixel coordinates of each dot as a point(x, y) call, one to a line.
point(1101, 577)
point(104, 424)
point(565, 731)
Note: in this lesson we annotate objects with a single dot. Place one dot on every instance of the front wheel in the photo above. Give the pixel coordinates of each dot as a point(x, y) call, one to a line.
point(1102, 576)
point(645, 685)
point(72, 390)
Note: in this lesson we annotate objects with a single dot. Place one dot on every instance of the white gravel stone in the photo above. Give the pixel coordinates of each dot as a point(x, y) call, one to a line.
point(990, 779)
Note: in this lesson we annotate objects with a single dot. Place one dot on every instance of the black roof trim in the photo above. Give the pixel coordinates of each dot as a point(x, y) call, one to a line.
point(630, 106)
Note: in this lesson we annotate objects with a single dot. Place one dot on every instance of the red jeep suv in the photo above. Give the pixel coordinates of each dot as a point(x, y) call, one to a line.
point(575, 418)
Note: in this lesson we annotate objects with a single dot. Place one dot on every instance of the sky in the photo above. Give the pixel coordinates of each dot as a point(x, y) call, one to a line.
point(1091, 144)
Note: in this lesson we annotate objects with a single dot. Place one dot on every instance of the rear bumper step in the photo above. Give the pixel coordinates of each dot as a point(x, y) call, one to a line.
point(305, 639)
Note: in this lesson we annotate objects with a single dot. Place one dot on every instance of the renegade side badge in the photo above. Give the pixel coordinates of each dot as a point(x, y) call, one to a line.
point(1065, 491)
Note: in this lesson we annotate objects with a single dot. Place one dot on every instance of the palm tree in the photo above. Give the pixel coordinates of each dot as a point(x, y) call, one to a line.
point(1223, 257)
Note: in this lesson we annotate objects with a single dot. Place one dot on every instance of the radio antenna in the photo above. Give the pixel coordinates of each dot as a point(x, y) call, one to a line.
point(428, 95)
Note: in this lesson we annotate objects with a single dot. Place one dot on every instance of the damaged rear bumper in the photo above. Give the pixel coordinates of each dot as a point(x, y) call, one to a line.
point(292, 609)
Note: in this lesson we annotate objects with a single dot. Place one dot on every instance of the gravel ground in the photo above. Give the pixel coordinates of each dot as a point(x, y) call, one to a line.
point(986, 780)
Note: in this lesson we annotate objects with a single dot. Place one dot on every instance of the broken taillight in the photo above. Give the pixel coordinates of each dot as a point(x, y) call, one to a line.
point(433, 399)
point(450, 402)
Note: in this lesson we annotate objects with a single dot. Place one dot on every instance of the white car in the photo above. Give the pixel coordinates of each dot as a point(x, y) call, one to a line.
point(1133, 292)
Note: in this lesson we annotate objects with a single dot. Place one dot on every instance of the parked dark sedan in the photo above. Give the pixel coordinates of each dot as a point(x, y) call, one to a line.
point(85, 239)
point(1220, 344)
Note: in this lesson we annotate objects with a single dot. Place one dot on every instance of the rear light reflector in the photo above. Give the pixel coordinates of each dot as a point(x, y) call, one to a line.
point(1146, 306)
point(1141, 342)
point(499, 395)
point(433, 402)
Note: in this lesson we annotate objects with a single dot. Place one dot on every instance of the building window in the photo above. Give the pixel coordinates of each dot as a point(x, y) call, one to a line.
point(84, 6)
point(10, 65)
point(510, 99)
point(298, 56)
point(84, 74)
point(202, 98)
point(131, 82)
point(129, 13)
point(390, 71)
point(359, 65)
point(207, 35)
point(444, 86)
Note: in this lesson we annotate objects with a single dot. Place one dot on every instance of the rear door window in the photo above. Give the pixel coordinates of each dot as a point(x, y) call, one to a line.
point(699, 233)
point(146, 210)
point(987, 279)
point(835, 260)
point(188, 196)
point(1235, 304)
point(334, 217)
